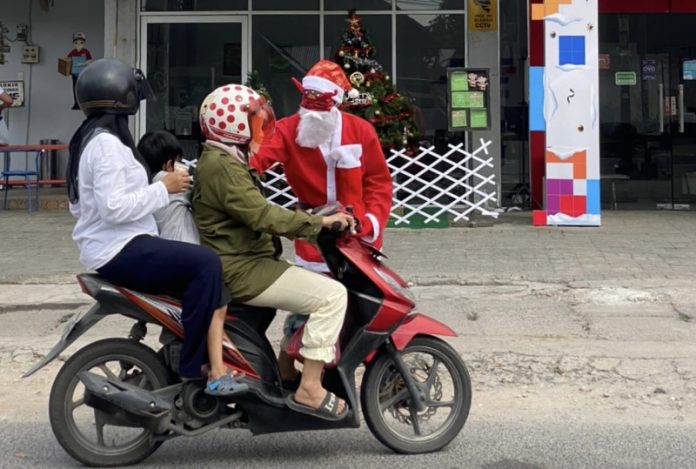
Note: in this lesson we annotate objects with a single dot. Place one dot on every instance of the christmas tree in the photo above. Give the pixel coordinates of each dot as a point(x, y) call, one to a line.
point(254, 82)
point(379, 103)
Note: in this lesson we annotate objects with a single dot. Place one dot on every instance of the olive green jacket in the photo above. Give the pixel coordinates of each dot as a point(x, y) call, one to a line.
point(239, 224)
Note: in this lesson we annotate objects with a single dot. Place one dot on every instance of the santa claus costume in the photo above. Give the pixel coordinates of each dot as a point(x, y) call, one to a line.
point(330, 156)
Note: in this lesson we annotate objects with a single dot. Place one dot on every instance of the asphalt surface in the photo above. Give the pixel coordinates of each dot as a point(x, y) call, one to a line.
point(500, 444)
point(581, 344)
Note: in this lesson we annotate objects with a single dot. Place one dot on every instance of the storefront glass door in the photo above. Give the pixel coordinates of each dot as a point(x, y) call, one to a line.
point(648, 111)
point(184, 59)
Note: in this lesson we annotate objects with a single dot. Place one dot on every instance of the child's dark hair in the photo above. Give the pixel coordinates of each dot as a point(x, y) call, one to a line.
point(158, 148)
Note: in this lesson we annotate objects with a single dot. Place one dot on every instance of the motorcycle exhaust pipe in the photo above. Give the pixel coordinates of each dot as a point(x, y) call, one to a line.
point(124, 403)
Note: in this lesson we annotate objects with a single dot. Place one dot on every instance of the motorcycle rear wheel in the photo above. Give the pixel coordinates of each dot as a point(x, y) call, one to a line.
point(83, 435)
point(386, 402)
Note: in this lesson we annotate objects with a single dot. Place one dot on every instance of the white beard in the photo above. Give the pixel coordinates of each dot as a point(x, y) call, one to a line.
point(316, 127)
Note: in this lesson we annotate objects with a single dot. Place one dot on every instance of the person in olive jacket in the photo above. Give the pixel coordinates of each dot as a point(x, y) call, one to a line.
point(236, 221)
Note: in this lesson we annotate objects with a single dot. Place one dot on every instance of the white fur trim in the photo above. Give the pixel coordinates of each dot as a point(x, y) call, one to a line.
point(353, 93)
point(313, 82)
point(375, 229)
point(347, 156)
point(313, 266)
point(326, 150)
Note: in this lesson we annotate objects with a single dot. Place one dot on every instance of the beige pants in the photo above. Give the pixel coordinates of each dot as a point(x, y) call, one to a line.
point(323, 299)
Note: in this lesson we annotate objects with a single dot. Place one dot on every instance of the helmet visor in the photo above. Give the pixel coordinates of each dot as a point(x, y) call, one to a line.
point(261, 121)
point(143, 87)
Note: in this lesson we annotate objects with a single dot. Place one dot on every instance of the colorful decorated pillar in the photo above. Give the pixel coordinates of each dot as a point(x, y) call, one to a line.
point(564, 111)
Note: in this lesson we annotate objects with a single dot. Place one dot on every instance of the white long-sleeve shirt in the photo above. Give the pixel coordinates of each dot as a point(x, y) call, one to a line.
point(116, 202)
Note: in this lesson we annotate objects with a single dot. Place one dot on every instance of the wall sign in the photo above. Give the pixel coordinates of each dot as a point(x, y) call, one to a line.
point(16, 90)
point(483, 16)
point(689, 70)
point(625, 78)
point(649, 69)
point(468, 94)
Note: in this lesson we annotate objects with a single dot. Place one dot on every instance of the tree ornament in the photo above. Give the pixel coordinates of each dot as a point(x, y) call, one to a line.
point(368, 84)
point(346, 65)
point(386, 77)
point(341, 53)
point(357, 79)
point(378, 112)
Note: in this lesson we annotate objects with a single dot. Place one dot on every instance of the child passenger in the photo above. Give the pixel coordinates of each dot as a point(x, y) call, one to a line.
point(161, 150)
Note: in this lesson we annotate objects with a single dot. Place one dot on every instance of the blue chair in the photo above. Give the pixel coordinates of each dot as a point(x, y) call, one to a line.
point(26, 173)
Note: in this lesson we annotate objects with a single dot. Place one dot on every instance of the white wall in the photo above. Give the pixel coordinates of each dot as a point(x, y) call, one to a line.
point(47, 112)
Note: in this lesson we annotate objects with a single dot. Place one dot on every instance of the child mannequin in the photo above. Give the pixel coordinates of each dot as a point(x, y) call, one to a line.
point(161, 150)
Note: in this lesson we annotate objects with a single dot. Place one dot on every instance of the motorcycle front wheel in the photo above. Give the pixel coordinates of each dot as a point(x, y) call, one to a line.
point(386, 402)
point(90, 435)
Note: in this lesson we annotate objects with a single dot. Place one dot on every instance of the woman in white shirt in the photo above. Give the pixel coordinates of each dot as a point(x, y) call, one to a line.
point(113, 201)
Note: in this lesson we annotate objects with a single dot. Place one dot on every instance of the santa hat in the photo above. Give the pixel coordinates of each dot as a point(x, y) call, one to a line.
point(326, 76)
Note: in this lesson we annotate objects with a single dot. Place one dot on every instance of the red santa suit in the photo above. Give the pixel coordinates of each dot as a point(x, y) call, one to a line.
point(349, 169)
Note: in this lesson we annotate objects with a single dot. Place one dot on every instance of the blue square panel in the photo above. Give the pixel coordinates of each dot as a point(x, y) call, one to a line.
point(571, 50)
point(593, 197)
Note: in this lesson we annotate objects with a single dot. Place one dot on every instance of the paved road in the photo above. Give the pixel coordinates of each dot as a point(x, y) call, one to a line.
point(581, 345)
point(486, 444)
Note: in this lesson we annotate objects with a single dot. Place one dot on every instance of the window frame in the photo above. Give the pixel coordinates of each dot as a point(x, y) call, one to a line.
point(322, 12)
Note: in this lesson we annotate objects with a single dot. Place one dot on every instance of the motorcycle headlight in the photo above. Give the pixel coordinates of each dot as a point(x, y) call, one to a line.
point(392, 282)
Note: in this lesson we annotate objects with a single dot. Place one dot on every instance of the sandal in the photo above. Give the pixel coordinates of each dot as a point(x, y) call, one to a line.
point(225, 386)
point(327, 410)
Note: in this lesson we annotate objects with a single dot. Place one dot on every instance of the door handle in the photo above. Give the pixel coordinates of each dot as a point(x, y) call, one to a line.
point(681, 108)
point(661, 92)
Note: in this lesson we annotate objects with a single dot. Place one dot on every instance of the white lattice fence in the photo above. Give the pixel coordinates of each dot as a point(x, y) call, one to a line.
point(433, 185)
point(427, 185)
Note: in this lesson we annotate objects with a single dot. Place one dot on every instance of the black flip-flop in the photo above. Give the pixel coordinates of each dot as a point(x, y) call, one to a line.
point(327, 410)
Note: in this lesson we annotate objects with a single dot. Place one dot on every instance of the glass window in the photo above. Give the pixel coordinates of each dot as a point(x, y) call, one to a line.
point(194, 5)
point(185, 62)
point(427, 46)
point(360, 5)
point(285, 5)
point(281, 52)
point(378, 29)
point(431, 4)
point(513, 102)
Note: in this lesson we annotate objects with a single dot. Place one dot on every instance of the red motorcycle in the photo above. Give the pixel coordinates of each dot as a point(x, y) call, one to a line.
point(115, 401)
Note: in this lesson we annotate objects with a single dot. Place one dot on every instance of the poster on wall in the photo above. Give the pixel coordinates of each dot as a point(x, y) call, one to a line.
point(483, 16)
point(468, 99)
point(16, 90)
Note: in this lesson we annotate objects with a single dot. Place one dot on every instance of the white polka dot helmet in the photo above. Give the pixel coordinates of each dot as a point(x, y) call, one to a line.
point(236, 114)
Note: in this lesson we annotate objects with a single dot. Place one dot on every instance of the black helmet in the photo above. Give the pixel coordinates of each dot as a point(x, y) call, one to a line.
point(109, 86)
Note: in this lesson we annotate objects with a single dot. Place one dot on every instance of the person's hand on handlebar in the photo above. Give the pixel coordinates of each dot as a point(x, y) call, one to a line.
point(339, 222)
point(176, 181)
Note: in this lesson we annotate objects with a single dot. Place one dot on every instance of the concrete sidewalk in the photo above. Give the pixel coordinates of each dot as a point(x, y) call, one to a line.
point(37, 248)
point(656, 249)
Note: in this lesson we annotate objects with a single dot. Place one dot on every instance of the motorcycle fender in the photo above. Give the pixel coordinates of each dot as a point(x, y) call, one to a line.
point(416, 324)
point(76, 326)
